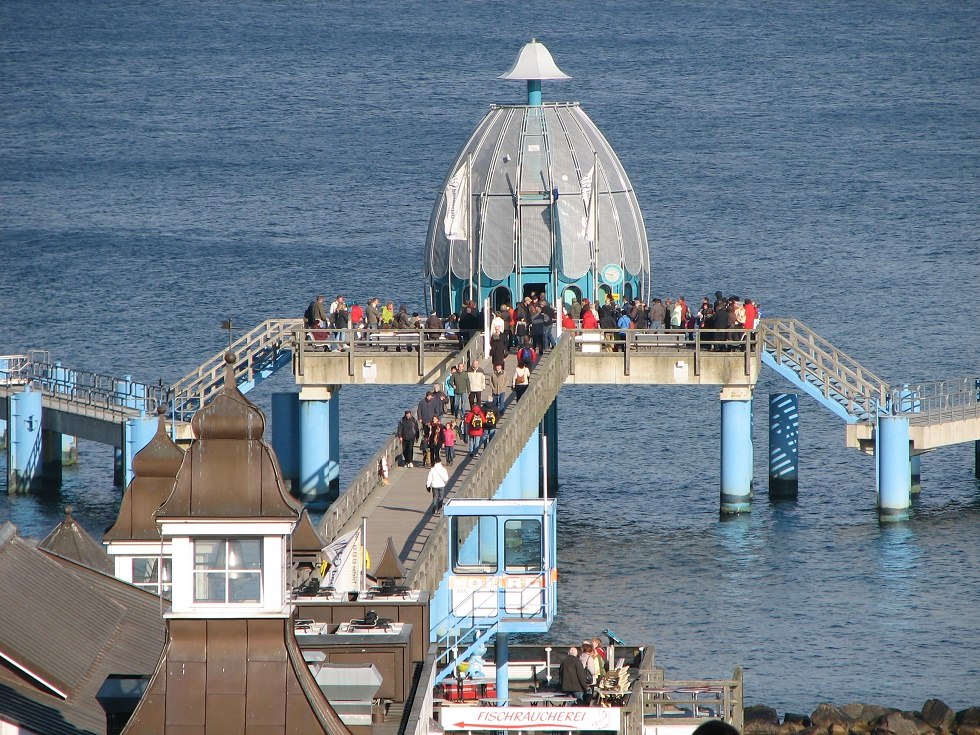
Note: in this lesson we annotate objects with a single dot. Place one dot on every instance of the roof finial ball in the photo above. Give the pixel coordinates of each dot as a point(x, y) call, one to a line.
point(533, 64)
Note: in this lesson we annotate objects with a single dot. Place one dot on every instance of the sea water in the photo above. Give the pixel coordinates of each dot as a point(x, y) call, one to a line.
point(164, 166)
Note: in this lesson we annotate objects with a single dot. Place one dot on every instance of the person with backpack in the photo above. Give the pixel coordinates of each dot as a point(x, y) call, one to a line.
point(489, 424)
point(475, 420)
point(527, 354)
point(522, 378)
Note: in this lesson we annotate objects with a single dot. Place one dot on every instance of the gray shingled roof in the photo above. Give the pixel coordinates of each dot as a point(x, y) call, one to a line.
point(66, 626)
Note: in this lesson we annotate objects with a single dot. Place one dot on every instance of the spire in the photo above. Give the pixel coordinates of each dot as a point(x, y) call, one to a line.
point(533, 64)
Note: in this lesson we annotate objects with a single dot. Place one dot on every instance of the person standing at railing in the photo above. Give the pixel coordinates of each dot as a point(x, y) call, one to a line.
point(657, 314)
point(316, 313)
point(341, 321)
point(373, 314)
point(572, 677)
point(589, 318)
point(751, 314)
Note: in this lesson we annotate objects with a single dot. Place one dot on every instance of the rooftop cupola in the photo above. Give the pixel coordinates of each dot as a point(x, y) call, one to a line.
point(533, 64)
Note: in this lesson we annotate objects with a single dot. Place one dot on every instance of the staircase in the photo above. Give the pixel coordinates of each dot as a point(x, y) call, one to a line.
point(815, 366)
point(258, 354)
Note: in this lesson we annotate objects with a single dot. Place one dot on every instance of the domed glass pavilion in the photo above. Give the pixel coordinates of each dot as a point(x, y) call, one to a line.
point(536, 202)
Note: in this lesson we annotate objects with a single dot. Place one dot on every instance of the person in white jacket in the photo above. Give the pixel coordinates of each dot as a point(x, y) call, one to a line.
point(436, 483)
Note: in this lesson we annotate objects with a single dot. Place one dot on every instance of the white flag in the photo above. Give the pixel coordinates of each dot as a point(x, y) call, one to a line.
point(344, 556)
point(588, 203)
point(457, 197)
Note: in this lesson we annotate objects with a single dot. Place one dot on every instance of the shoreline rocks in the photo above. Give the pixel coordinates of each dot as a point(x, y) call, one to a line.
point(935, 718)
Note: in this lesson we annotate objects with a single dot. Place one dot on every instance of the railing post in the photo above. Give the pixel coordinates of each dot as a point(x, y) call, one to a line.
point(421, 351)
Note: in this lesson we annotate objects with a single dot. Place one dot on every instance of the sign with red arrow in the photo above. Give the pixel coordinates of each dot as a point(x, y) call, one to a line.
point(556, 719)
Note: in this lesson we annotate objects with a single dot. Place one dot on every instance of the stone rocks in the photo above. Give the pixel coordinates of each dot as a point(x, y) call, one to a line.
point(936, 718)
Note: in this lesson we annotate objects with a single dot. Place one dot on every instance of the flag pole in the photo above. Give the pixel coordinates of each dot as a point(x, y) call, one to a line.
point(595, 226)
point(469, 217)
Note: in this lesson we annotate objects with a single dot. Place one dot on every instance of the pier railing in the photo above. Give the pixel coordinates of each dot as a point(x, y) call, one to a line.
point(694, 342)
point(514, 429)
point(937, 402)
point(345, 508)
point(255, 351)
point(834, 373)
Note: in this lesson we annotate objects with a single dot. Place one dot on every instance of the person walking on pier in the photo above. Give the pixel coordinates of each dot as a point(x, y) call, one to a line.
point(436, 483)
point(462, 382)
point(522, 377)
point(433, 438)
point(572, 677)
point(477, 383)
point(408, 432)
point(475, 419)
point(449, 441)
point(498, 384)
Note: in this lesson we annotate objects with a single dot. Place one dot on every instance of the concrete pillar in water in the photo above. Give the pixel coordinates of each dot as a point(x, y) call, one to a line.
point(137, 433)
point(915, 462)
point(976, 459)
point(736, 450)
point(69, 450)
point(285, 435)
point(24, 441)
point(50, 458)
point(319, 466)
point(502, 655)
point(894, 468)
point(530, 463)
point(784, 438)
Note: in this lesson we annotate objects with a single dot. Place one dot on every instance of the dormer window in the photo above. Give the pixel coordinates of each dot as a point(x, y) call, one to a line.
point(147, 574)
point(228, 570)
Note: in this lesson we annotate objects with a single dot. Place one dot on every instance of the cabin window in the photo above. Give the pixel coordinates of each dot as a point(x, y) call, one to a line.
point(147, 576)
point(523, 548)
point(475, 544)
point(228, 570)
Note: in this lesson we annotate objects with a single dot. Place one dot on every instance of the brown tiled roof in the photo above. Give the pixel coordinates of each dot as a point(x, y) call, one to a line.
point(71, 541)
point(229, 471)
point(390, 566)
point(233, 677)
point(154, 472)
point(67, 626)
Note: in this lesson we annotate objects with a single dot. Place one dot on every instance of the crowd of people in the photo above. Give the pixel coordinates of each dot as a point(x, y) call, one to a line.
point(579, 670)
point(529, 327)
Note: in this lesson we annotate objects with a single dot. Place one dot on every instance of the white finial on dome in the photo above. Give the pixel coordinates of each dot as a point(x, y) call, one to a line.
point(534, 62)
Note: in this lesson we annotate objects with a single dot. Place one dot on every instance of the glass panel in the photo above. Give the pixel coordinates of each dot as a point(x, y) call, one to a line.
point(245, 554)
point(145, 570)
point(475, 543)
point(209, 554)
point(245, 587)
point(523, 549)
point(209, 586)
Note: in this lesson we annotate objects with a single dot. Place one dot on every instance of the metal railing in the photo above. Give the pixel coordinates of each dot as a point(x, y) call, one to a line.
point(937, 402)
point(724, 700)
point(837, 375)
point(513, 431)
point(352, 344)
point(344, 509)
point(254, 351)
point(101, 396)
point(699, 342)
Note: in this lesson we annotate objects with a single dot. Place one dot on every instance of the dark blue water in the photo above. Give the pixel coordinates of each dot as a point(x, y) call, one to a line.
point(167, 165)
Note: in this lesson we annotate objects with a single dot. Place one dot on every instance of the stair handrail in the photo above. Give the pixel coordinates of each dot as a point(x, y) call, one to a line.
point(202, 382)
point(837, 372)
point(937, 401)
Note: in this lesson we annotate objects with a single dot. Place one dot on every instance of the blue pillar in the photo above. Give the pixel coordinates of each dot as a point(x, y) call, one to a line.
point(319, 470)
point(69, 450)
point(3, 433)
point(24, 441)
point(915, 462)
point(285, 434)
point(549, 427)
point(894, 468)
point(530, 463)
point(50, 457)
point(534, 95)
point(976, 459)
point(502, 655)
point(784, 437)
point(137, 434)
point(736, 450)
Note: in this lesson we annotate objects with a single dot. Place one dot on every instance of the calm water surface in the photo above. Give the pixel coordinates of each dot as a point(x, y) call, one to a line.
point(166, 165)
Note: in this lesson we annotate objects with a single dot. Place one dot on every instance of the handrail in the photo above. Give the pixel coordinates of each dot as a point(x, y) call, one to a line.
point(938, 401)
point(366, 480)
point(840, 377)
point(193, 390)
point(515, 427)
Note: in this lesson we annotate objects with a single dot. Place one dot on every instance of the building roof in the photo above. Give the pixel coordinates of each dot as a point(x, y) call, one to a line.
point(71, 541)
point(233, 676)
point(229, 471)
point(64, 627)
point(155, 469)
point(534, 61)
point(522, 156)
